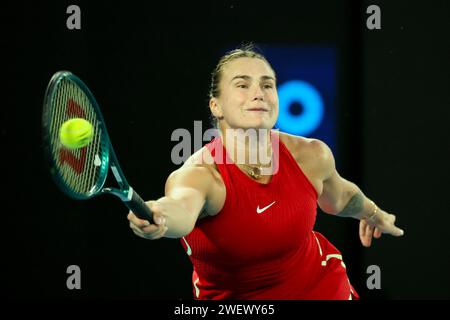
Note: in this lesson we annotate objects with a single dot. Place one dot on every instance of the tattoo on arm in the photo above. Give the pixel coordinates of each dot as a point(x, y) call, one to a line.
point(354, 206)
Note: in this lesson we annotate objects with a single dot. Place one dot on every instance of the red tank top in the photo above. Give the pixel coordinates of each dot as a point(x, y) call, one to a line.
point(261, 245)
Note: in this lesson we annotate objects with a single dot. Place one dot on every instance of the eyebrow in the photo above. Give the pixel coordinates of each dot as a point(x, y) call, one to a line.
point(246, 77)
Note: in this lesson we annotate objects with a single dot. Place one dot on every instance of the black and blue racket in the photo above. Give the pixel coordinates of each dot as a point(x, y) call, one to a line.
point(81, 173)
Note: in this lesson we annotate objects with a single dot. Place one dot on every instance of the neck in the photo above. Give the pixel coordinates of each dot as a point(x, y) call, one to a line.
point(248, 147)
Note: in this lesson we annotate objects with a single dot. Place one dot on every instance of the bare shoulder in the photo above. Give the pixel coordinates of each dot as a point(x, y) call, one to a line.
point(201, 157)
point(305, 148)
point(200, 172)
point(313, 155)
point(200, 165)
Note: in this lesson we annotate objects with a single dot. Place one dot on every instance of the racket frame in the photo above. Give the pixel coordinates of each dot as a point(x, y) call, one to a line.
point(108, 157)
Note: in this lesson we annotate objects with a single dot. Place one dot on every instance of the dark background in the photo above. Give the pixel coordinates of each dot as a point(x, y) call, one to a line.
point(149, 66)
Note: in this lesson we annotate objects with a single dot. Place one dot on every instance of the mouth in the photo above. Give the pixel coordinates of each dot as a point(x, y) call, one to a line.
point(258, 109)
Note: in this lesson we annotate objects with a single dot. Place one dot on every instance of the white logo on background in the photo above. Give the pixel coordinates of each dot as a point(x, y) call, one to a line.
point(258, 210)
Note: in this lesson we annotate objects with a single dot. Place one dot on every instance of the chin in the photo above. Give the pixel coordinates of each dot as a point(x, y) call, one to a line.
point(255, 123)
point(263, 124)
point(258, 126)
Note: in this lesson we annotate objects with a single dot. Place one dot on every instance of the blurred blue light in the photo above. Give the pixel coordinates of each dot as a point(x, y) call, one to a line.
point(309, 98)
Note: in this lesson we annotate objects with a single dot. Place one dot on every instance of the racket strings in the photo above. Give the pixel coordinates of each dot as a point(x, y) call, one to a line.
point(78, 168)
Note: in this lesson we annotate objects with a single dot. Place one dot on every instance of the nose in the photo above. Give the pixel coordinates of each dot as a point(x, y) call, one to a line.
point(258, 94)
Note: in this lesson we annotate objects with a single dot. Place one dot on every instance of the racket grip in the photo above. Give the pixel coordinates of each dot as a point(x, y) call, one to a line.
point(139, 208)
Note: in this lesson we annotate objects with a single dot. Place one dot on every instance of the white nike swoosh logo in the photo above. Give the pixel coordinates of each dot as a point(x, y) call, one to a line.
point(258, 210)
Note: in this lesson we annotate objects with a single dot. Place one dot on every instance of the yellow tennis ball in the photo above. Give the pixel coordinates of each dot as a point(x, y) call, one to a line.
point(76, 133)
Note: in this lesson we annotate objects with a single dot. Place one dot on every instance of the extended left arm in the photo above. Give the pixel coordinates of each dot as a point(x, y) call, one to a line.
point(343, 198)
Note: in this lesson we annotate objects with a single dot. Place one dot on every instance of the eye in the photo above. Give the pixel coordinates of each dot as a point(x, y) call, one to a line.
point(242, 85)
point(268, 86)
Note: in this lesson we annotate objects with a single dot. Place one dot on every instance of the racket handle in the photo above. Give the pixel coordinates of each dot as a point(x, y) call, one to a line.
point(139, 208)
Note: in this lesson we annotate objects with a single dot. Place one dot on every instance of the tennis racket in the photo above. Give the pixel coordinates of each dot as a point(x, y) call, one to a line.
point(81, 173)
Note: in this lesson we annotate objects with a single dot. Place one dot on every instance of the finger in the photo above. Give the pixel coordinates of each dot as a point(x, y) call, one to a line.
point(158, 233)
point(159, 219)
point(156, 209)
point(154, 206)
point(136, 229)
point(362, 232)
point(136, 221)
point(362, 228)
point(365, 240)
point(143, 231)
point(368, 235)
point(391, 228)
point(377, 233)
point(396, 231)
point(150, 232)
point(152, 228)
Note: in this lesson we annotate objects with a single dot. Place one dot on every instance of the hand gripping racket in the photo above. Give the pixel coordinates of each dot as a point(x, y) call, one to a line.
point(81, 173)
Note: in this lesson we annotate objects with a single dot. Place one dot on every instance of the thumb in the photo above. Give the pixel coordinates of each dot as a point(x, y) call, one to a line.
point(159, 219)
point(154, 206)
point(397, 232)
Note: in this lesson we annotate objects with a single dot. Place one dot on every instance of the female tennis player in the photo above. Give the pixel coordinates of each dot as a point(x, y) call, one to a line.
point(247, 226)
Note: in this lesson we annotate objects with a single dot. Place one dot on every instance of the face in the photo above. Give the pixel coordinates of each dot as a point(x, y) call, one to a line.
point(248, 95)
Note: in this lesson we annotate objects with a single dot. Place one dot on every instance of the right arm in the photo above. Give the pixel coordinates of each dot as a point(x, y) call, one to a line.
point(187, 192)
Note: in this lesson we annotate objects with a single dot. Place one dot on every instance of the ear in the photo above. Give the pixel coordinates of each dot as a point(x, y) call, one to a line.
point(215, 108)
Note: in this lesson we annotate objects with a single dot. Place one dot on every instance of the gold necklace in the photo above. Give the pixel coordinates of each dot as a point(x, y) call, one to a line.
point(254, 172)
